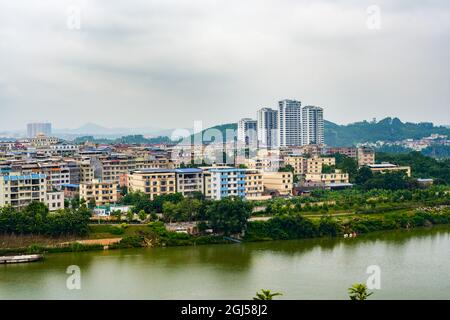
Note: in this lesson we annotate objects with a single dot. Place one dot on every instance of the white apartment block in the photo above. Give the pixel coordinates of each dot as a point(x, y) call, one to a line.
point(34, 129)
point(289, 123)
point(247, 132)
point(312, 125)
point(267, 127)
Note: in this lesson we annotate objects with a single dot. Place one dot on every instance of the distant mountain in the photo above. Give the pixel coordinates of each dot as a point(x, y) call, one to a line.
point(131, 139)
point(211, 133)
point(92, 129)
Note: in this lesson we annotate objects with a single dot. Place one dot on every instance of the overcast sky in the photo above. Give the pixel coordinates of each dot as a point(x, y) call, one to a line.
point(166, 63)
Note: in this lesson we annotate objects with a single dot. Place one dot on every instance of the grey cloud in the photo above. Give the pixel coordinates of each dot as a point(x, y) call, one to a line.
point(170, 62)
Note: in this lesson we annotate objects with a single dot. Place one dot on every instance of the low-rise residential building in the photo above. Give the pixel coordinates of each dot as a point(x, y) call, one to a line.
point(55, 200)
point(63, 149)
point(57, 173)
point(366, 156)
point(298, 162)
point(389, 167)
point(86, 171)
point(227, 182)
point(153, 182)
point(102, 192)
point(254, 186)
point(327, 178)
point(71, 191)
point(280, 183)
point(363, 155)
point(43, 141)
point(18, 190)
point(346, 151)
point(189, 181)
point(268, 164)
point(315, 164)
point(56, 170)
point(207, 192)
point(304, 165)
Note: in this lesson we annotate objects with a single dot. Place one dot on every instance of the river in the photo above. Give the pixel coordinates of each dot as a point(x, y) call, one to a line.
point(414, 265)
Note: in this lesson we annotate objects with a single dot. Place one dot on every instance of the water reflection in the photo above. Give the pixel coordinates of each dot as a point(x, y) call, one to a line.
point(313, 268)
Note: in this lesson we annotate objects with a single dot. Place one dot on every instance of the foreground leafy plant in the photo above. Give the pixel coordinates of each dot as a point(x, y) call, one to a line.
point(266, 295)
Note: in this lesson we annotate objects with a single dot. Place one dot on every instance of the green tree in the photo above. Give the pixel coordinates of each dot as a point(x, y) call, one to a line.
point(364, 174)
point(117, 215)
point(91, 203)
point(358, 291)
point(229, 215)
point(130, 216)
point(347, 164)
point(142, 215)
point(266, 295)
point(289, 168)
point(170, 211)
point(389, 180)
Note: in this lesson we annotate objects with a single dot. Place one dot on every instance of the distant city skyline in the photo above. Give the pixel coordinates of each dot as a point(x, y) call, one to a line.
point(168, 64)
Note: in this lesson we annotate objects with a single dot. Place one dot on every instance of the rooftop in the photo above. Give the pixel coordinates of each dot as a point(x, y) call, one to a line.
point(188, 170)
point(227, 170)
point(24, 177)
point(382, 165)
point(153, 170)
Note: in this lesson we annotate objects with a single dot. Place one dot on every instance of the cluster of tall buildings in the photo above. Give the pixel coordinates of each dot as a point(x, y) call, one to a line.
point(289, 125)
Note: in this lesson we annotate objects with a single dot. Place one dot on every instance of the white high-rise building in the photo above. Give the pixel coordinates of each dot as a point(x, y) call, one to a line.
point(35, 129)
point(247, 131)
point(267, 127)
point(289, 123)
point(312, 125)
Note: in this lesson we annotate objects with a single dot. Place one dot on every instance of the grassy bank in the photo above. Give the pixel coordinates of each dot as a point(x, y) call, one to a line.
point(296, 226)
point(132, 236)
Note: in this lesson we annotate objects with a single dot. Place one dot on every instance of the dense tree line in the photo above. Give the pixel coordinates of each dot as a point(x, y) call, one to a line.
point(421, 165)
point(36, 219)
point(130, 139)
point(227, 216)
point(284, 227)
point(437, 151)
point(358, 200)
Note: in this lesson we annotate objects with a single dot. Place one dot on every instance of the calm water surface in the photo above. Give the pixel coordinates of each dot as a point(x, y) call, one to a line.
point(414, 265)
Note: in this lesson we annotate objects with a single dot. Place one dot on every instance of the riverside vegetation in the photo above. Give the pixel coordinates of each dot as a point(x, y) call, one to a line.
point(322, 214)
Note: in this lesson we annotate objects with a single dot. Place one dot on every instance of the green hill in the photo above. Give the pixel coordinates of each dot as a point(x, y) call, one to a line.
point(211, 132)
point(388, 129)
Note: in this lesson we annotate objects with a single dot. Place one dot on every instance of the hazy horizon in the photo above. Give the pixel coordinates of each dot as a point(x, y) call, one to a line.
point(166, 64)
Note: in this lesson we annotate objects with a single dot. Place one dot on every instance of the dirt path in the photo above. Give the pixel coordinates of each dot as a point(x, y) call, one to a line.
point(103, 242)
